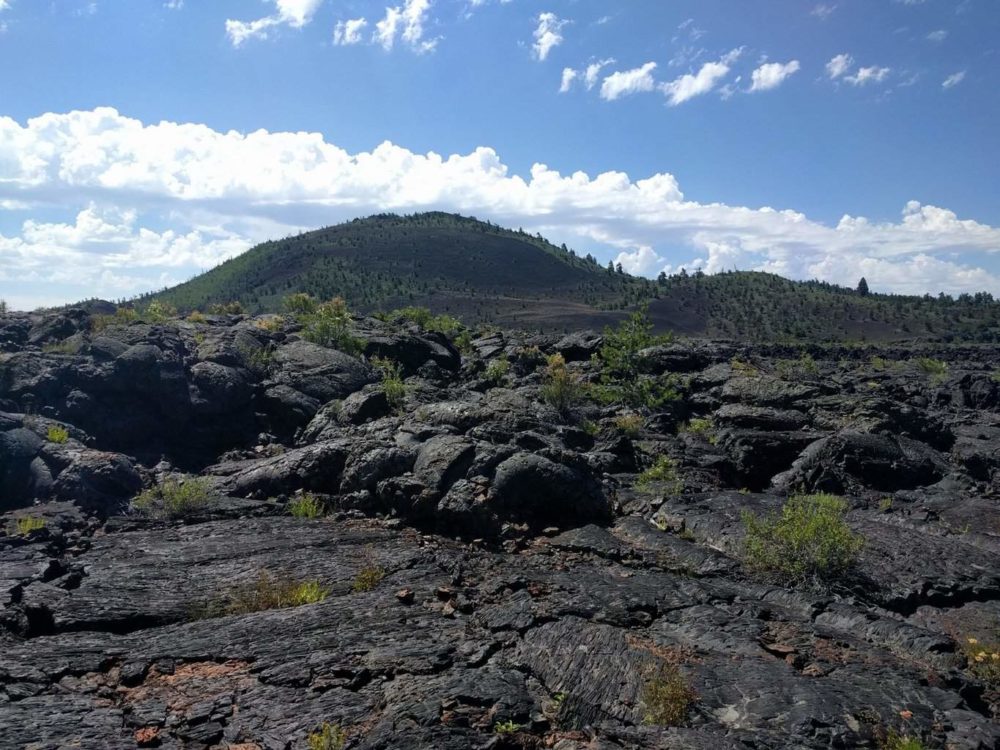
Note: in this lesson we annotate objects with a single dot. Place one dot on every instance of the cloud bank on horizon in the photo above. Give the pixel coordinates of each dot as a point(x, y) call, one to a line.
point(152, 204)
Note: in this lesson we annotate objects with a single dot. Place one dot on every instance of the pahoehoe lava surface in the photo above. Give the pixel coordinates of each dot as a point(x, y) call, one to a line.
point(529, 583)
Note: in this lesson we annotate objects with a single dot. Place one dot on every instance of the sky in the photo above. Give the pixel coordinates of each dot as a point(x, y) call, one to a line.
point(145, 141)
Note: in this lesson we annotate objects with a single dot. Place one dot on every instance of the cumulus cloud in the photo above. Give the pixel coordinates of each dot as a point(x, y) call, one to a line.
point(568, 76)
point(293, 13)
point(953, 80)
point(938, 36)
point(691, 85)
point(4, 5)
point(593, 71)
point(548, 35)
point(626, 82)
point(349, 32)
point(154, 204)
point(864, 76)
point(839, 65)
point(405, 22)
point(771, 75)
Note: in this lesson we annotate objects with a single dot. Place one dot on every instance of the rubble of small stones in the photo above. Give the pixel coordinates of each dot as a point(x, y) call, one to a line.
point(529, 583)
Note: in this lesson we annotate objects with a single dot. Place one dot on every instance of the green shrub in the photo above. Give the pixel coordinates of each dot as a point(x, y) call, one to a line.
point(327, 324)
point(561, 389)
point(935, 370)
point(983, 661)
point(259, 360)
point(57, 434)
point(174, 499)
point(497, 370)
point(742, 367)
point(629, 424)
point(894, 740)
point(621, 380)
point(995, 377)
point(25, 525)
point(392, 381)
point(808, 539)
point(271, 324)
point(698, 426)
point(61, 347)
point(328, 737)
point(590, 427)
point(667, 697)
point(196, 317)
point(3, 307)
point(424, 318)
point(507, 727)
point(266, 592)
point(803, 368)
point(159, 312)
point(226, 308)
point(306, 505)
point(664, 472)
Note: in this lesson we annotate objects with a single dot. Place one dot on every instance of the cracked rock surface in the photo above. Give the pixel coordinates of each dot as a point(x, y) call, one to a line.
point(525, 585)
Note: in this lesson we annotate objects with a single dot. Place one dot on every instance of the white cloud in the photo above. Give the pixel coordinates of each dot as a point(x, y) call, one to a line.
point(349, 32)
point(568, 76)
point(593, 71)
point(153, 204)
point(173, 4)
point(953, 80)
point(626, 82)
point(293, 13)
point(548, 34)
point(839, 65)
point(864, 76)
point(690, 85)
point(406, 23)
point(937, 36)
point(823, 11)
point(772, 75)
point(4, 5)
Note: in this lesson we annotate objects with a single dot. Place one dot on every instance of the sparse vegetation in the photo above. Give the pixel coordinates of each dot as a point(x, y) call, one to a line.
point(196, 317)
point(324, 323)
point(982, 660)
point(159, 312)
point(894, 740)
point(629, 424)
point(370, 575)
point(3, 307)
point(590, 427)
point(266, 592)
point(507, 727)
point(392, 382)
point(25, 525)
point(327, 737)
point(935, 370)
point(69, 346)
point(497, 370)
point(561, 388)
point(742, 367)
point(663, 473)
point(173, 499)
point(306, 505)
point(258, 360)
point(226, 308)
point(621, 378)
point(57, 434)
point(271, 323)
point(803, 368)
point(807, 539)
point(667, 697)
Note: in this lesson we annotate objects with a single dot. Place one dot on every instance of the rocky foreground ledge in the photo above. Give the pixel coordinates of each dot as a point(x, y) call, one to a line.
point(473, 567)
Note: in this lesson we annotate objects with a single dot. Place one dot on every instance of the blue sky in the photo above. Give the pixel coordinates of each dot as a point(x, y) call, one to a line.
point(142, 141)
